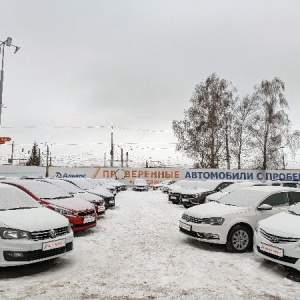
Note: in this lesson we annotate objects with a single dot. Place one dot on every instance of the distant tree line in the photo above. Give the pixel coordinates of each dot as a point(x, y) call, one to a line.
point(223, 129)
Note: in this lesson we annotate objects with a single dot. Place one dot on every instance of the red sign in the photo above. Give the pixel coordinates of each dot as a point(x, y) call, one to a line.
point(3, 140)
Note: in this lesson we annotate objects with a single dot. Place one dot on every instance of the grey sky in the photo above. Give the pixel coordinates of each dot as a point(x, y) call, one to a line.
point(135, 63)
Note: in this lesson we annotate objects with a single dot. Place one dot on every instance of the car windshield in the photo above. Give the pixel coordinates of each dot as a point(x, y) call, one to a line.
point(243, 198)
point(67, 186)
point(44, 190)
point(82, 183)
point(12, 198)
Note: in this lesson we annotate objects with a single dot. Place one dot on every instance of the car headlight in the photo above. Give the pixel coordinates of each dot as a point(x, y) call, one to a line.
point(12, 234)
point(62, 211)
point(69, 228)
point(213, 221)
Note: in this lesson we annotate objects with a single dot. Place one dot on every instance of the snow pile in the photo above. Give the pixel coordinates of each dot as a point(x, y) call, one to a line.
point(137, 252)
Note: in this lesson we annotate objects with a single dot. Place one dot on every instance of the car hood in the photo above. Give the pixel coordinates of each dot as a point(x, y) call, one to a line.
point(34, 219)
point(282, 223)
point(89, 197)
point(75, 203)
point(101, 192)
point(213, 209)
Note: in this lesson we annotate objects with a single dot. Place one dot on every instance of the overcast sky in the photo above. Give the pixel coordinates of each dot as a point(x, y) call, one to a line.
point(135, 64)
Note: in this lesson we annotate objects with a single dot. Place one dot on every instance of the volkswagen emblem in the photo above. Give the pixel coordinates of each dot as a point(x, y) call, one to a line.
point(52, 233)
point(274, 239)
point(188, 218)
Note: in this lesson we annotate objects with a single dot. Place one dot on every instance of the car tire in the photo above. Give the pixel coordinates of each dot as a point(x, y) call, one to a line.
point(239, 239)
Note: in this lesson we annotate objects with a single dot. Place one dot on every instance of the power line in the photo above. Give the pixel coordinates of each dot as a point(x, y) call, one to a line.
point(88, 127)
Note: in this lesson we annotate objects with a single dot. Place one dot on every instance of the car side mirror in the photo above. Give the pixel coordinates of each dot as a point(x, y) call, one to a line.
point(265, 207)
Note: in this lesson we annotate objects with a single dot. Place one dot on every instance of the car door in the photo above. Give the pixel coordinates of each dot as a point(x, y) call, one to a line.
point(278, 201)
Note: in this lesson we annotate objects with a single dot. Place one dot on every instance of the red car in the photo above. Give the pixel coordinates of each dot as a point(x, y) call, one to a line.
point(80, 213)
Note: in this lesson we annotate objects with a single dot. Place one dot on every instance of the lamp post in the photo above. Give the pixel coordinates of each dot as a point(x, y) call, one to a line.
point(8, 43)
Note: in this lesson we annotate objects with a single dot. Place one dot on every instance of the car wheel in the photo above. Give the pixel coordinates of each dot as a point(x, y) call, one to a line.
point(239, 239)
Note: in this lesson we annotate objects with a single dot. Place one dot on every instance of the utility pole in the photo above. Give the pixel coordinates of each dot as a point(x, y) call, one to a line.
point(47, 161)
point(126, 159)
point(112, 147)
point(122, 157)
point(12, 153)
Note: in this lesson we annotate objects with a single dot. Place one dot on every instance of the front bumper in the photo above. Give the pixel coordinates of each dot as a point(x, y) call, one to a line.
point(204, 232)
point(287, 254)
point(21, 252)
point(82, 223)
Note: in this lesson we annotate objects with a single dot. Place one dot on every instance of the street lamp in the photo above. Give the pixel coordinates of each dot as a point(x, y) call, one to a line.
point(8, 43)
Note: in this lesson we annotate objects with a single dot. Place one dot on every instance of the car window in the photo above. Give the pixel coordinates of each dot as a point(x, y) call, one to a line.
point(290, 184)
point(279, 199)
point(295, 197)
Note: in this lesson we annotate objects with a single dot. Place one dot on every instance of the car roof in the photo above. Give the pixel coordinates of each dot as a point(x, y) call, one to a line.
point(270, 189)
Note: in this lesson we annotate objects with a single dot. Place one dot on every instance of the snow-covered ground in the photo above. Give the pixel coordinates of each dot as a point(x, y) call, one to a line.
point(137, 252)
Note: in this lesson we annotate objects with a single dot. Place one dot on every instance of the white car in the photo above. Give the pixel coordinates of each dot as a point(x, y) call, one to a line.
point(140, 184)
point(232, 220)
point(30, 232)
point(162, 184)
point(278, 238)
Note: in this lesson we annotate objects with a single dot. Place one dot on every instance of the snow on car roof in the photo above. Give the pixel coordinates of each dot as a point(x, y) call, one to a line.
point(12, 197)
point(246, 197)
point(41, 189)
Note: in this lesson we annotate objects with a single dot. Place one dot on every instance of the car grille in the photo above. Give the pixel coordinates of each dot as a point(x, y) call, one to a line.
point(288, 259)
point(191, 219)
point(277, 239)
point(38, 254)
point(190, 233)
point(187, 196)
point(85, 213)
point(47, 234)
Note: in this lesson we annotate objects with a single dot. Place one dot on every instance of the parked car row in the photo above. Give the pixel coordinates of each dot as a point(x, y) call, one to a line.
point(38, 216)
point(265, 218)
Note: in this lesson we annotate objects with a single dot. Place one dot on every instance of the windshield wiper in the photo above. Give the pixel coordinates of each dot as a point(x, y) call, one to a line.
point(229, 204)
point(25, 207)
point(293, 213)
point(56, 198)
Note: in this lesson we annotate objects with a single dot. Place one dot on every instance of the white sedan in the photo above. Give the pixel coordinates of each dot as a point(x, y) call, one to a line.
point(30, 232)
point(232, 220)
point(278, 238)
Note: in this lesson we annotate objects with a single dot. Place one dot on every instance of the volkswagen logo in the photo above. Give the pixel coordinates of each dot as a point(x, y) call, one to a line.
point(52, 233)
point(274, 239)
point(188, 218)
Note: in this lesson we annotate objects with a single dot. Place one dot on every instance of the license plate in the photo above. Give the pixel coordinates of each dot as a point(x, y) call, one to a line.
point(185, 226)
point(101, 208)
point(272, 250)
point(173, 197)
point(185, 200)
point(54, 244)
point(88, 219)
point(111, 201)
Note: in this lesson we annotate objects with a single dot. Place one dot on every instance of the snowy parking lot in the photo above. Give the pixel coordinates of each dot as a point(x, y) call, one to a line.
point(137, 252)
